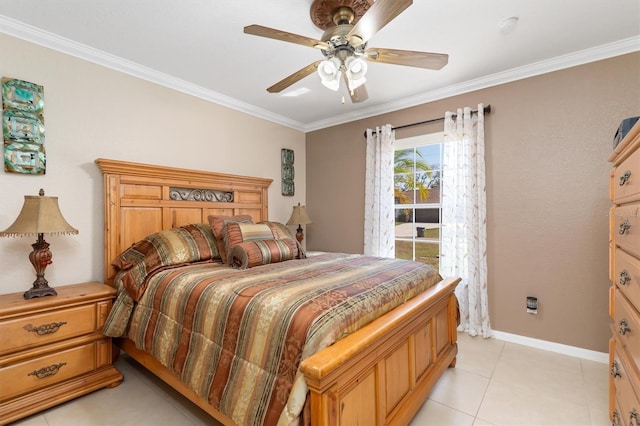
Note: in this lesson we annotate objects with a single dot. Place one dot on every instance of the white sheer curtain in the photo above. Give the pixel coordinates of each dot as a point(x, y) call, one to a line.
point(379, 217)
point(464, 218)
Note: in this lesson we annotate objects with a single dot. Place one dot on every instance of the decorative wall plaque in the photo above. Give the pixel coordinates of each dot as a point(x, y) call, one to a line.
point(288, 172)
point(23, 127)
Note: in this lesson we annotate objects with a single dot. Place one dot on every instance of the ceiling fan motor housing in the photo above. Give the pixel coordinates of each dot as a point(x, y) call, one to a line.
point(341, 46)
point(324, 12)
point(343, 15)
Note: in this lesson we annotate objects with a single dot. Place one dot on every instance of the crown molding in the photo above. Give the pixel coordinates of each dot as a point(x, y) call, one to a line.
point(581, 57)
point(52, 41)
point(40, 37)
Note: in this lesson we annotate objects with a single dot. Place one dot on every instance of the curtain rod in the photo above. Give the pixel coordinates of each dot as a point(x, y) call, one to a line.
point(486, 109)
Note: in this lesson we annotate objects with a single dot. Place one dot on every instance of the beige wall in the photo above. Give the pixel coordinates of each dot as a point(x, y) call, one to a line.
point(91, 112)
point(547, 143)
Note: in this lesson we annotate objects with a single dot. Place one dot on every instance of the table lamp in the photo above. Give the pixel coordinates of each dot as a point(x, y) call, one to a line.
point(39, 215)
point(299, 217)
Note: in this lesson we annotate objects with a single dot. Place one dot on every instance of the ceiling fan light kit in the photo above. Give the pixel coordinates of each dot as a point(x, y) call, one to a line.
point(348, 25)
point(356, 68)
point(329, 72)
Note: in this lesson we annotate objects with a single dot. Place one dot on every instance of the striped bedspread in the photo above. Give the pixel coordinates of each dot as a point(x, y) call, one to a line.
point(237, 337)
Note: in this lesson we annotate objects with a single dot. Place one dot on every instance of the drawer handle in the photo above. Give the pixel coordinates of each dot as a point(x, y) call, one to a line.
point(615, 419)
point(624, 227)
point(625, 277)
point(624, 327)
point(634, 418)
point(48, 371)
point(625, 178)
point(44, 329)
point(615, 370)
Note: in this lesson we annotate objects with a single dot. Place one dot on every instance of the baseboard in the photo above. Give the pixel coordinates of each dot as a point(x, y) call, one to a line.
point(588, 354)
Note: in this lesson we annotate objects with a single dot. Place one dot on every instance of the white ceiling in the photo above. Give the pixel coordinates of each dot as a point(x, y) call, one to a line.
point(198, 46)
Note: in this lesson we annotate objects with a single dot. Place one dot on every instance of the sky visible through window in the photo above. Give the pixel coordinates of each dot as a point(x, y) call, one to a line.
point(431, 154)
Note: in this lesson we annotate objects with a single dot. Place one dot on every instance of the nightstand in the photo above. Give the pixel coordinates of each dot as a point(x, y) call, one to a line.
point(52, 348)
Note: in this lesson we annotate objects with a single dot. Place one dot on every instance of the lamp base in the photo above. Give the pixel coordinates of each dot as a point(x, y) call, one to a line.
point(299, 234)
point(40, 258)
point(39, 292)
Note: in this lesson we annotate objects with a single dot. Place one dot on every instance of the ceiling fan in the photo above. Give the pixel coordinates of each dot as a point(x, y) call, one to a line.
point(348, 25)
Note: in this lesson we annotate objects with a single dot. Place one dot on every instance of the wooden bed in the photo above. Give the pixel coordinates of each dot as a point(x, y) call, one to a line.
point(380, 374)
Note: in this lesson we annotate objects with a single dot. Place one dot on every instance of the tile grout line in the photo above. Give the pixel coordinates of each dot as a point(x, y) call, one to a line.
point(493, 370)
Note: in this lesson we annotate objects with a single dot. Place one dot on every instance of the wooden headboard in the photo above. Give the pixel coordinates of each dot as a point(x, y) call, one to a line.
point(140, 199)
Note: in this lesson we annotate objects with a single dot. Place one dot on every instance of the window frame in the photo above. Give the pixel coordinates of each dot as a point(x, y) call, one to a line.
point(436, 138)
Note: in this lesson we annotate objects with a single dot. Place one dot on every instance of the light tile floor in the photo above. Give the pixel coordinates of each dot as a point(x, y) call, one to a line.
point(494, 383)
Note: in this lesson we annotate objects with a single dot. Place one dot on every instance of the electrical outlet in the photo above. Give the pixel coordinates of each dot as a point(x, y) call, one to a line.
point(532, 305)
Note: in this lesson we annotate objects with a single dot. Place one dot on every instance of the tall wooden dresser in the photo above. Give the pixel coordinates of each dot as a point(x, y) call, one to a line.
point(624, 273)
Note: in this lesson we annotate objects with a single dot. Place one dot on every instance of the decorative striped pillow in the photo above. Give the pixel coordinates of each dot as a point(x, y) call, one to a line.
point(262, 252)
point(218, 225)
point(171, 247)
point(281, 231)
point(238, 233)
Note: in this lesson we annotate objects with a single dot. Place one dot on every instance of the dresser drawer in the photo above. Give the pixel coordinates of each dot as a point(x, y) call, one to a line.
point(626, 324)
point(39, 329)
point(37, 373)
point(627, 400)
point(616, 417)
point(626, 228)
point(627, 276)
point(626, 179)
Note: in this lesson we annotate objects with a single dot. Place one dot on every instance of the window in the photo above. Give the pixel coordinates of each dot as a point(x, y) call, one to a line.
point(417, 173)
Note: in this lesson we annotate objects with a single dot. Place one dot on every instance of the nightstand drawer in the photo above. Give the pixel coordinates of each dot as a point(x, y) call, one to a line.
point(37, 373)
point(35, 330)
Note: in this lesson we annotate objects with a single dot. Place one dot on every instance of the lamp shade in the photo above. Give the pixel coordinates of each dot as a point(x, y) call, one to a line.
point(299, 216)
point(39, 215)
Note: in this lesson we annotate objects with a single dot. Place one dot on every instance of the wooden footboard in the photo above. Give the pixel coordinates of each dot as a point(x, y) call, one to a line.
point(379, 375)
point(383, 373)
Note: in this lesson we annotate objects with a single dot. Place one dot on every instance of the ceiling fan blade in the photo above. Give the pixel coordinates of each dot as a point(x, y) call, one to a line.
point(432, 61)
point(294, 78)
point(259, 30)
point(359, 94)
point(379, 14)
